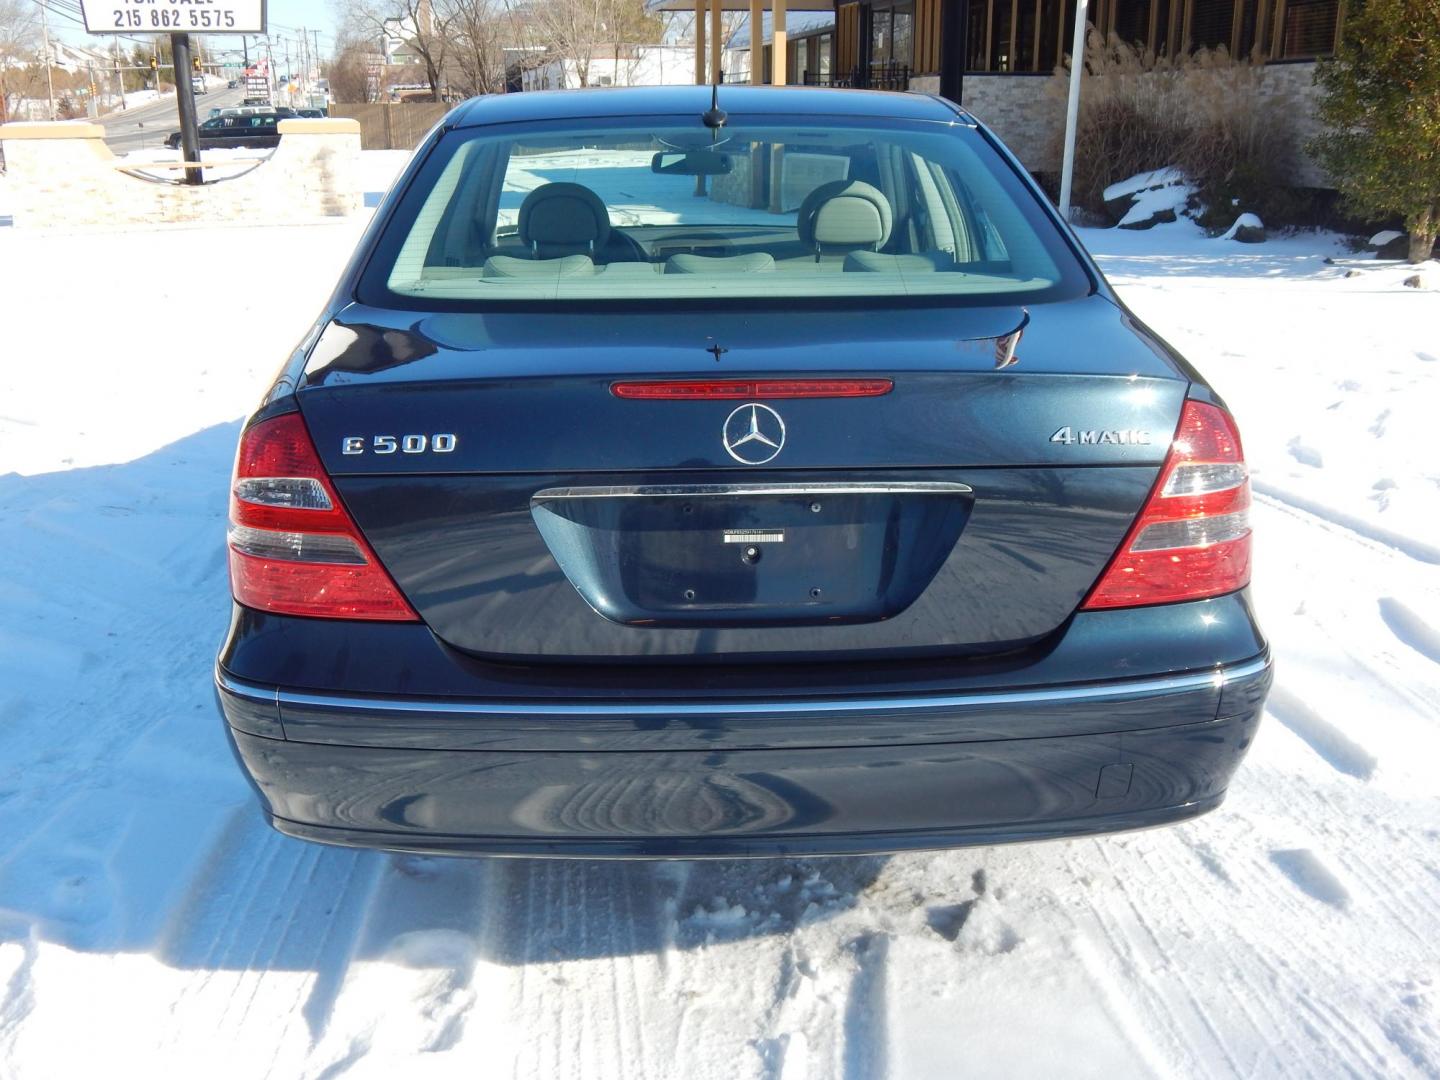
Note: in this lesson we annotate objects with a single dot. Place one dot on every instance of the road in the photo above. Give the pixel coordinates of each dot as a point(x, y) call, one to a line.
point(145, 126)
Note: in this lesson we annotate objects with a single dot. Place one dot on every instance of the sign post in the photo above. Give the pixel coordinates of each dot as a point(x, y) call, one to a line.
point(185, 99)
point(179, 19)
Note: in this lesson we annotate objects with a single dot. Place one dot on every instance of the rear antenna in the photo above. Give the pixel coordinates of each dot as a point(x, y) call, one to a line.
point(715, 117)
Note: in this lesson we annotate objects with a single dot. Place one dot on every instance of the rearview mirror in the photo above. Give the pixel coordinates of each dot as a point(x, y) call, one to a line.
point(691, 163)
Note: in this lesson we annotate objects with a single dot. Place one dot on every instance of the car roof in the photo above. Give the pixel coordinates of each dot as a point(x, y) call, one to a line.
point(679, 100)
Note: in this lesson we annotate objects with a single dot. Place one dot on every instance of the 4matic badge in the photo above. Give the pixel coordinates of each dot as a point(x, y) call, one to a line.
point(1118, 437)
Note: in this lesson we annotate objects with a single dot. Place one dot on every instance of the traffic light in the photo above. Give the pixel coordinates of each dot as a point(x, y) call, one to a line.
point(195, 63)
point(154, 63)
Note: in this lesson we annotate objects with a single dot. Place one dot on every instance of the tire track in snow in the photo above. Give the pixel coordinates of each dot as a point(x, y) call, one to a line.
point(1267, 938)
point(865, 1005)
point(1410, 628)
point(267, 924)
point(1289, 501)
point(1285, 956)
point(420, 977)
point(586, 939)
point(1339, 751)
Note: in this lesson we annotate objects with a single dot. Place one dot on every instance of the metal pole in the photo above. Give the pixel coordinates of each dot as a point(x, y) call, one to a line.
point(185, 99)
point(49, 59)
point(120, 76)
point(1072, 109)
point(716, 41)
point(955, 50)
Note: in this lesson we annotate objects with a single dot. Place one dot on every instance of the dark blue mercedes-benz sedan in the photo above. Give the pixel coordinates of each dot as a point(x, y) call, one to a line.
point(773, 474)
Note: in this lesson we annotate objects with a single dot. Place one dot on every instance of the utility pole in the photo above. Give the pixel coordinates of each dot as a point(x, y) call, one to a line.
point(304, 66)
point(49, 59)
point(119, 75)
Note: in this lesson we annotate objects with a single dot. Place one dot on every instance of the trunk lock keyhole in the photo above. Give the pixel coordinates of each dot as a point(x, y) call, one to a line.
point(751, 555)
point(689, 594)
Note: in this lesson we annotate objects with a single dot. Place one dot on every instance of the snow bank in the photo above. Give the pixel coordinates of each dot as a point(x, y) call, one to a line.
point(1146, 181)
point(134, 99)
point(1153, 193)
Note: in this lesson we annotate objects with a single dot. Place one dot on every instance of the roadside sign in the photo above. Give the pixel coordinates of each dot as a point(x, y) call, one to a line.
point(174, 16)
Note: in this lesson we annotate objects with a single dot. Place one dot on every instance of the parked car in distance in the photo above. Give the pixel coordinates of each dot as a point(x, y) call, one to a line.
point(281, 111)
point(312, 114)
point(234, 131)
point(231, 84)
point(844, 508)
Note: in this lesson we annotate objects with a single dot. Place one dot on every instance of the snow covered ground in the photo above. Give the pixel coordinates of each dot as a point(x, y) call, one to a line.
point(150, 925)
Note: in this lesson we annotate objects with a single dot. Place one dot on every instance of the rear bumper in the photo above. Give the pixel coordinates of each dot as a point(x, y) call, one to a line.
point(689, 779)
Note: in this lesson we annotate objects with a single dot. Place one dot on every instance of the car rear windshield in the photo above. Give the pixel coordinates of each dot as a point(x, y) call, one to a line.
point(768, 210)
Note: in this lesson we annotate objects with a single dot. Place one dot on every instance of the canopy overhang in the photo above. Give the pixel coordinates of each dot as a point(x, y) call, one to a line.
point(741, 5)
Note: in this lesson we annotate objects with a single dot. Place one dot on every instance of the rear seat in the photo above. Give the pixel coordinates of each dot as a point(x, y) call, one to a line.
point(507, 266)
point(755, 262)
point(874, 262)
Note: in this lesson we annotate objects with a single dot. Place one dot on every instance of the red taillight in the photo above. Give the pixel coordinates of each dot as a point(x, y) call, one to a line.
point(294, 549)
point(747, 389)
point(1192, 538)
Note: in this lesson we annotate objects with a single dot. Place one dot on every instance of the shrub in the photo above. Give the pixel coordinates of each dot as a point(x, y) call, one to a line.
point(1218, 119)
point(1380, 102)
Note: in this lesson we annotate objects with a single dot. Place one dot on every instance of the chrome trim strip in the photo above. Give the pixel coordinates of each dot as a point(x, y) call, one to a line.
point(1119, 690)
point(666, 491)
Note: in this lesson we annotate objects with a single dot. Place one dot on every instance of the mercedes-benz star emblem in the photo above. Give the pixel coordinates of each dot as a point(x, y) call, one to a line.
point(754, 434)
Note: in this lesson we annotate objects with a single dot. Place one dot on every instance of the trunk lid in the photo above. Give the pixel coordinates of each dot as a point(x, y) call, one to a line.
point(530, 514)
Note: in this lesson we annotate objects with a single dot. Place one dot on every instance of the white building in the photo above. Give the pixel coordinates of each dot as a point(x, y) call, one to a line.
point(609, 65)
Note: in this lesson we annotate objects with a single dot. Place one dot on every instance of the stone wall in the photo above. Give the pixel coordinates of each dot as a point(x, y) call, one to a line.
point(1028, 113)
point(1022, 111)
point(63, 175)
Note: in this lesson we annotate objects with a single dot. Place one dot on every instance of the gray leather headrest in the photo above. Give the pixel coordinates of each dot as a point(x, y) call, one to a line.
point(563, 219)
point(844, 215)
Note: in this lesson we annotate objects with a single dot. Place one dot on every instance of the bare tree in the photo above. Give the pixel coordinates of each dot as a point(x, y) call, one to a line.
point(571, 30)
point(422, 25)
point(19, 45)
point(349, 71)
point(577, 31)
point(480, 30)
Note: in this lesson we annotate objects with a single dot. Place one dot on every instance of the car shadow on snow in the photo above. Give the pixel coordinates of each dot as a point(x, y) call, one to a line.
point(129, 827)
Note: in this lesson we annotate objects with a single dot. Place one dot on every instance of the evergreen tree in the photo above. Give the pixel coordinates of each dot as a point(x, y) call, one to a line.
point(1380, 102)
